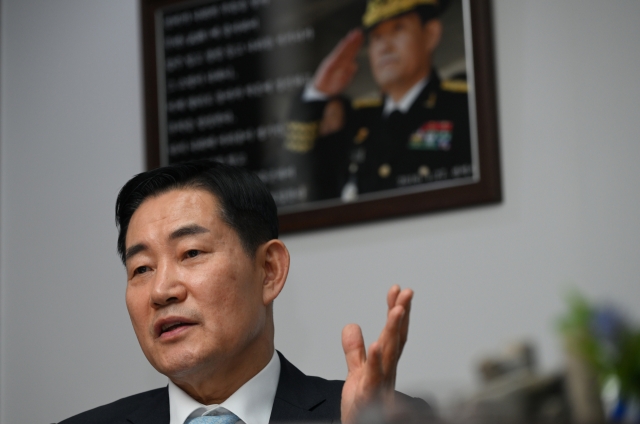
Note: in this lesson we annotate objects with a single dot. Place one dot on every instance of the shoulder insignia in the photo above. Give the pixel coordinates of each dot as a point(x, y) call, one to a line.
point(364, 102)
point(456, 86)
point(301, 136)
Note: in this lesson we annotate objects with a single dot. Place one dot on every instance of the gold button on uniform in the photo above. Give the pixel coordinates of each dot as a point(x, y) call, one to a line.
point(384, 171)
point(423, 171)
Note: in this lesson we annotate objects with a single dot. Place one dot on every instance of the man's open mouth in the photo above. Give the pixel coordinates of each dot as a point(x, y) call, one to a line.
point(171, 326)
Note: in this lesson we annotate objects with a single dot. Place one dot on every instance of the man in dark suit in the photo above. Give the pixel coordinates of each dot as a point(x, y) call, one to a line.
point(417, 132)
point(204, 265)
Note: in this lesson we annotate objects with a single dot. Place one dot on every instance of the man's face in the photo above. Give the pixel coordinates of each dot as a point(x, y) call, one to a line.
point(399, 51)
point(194, 296)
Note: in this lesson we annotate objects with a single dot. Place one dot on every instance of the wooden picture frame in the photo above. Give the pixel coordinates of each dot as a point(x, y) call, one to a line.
point(484, 188)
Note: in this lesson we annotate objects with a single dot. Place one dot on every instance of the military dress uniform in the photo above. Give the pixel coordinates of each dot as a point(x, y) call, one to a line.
point(430, 142)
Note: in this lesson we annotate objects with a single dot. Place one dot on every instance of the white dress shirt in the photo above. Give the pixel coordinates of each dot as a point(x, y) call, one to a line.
point(251, 403)
point(406, 101)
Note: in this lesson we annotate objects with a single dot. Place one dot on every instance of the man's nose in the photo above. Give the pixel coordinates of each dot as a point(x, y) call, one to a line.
point(168, 286)
point(384, 43)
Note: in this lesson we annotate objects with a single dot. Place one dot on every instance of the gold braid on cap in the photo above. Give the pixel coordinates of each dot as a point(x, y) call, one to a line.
point(380, 10)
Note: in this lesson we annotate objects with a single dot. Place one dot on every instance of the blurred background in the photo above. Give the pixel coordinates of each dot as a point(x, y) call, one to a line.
point(486, 278)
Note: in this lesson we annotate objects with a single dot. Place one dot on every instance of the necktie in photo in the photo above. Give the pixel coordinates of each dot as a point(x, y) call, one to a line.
point(228, 418)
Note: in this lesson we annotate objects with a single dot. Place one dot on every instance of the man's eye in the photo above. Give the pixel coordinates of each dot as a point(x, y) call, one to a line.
point(192, 253)
point(140, 270)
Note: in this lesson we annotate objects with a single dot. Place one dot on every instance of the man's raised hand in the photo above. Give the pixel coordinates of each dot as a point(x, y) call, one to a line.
point(371, 375)
point(337, 69)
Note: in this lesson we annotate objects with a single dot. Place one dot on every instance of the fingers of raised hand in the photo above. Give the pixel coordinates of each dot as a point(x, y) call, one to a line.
point(396, 296)
point(343, 58)
point(337, 70)
point(343, 74)
point(349, 46)
point(391, 338)
point(392, 296)
point(353, 346)
point(374, 378)
point(372, 373)
point(404, 300)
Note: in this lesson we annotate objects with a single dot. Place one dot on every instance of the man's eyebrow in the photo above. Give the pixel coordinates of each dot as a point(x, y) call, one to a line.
point(134, 250)
point(188, 230)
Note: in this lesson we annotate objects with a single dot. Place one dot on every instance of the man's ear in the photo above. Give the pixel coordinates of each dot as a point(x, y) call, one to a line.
point(432, 33)
point(275, 262)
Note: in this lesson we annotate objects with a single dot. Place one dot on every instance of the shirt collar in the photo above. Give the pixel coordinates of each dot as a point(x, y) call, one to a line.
point(251, 403)
point(406, 101)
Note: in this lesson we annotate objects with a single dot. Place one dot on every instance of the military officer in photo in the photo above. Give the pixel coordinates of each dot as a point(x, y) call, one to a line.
point(417, 131)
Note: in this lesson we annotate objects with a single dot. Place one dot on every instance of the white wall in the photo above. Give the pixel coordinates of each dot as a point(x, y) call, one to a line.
point(71, 135)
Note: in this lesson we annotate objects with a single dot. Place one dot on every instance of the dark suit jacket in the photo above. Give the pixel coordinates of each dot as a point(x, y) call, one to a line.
point(298, 398)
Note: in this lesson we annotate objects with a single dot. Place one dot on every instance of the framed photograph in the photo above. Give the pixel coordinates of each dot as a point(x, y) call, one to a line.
point(349, 110)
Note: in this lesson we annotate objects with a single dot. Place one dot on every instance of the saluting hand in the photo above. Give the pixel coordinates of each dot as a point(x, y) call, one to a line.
point(337, 69)
point(372, 375)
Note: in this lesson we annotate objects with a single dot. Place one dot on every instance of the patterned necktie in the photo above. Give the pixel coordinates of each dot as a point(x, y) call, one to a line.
point(214, 419)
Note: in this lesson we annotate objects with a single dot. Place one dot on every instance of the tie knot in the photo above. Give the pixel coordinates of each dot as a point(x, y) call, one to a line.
point(227, 418)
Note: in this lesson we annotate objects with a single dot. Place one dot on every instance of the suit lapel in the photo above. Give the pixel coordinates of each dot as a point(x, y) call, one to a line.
point(154, 411)
point(428, 97)
point(296, 396)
